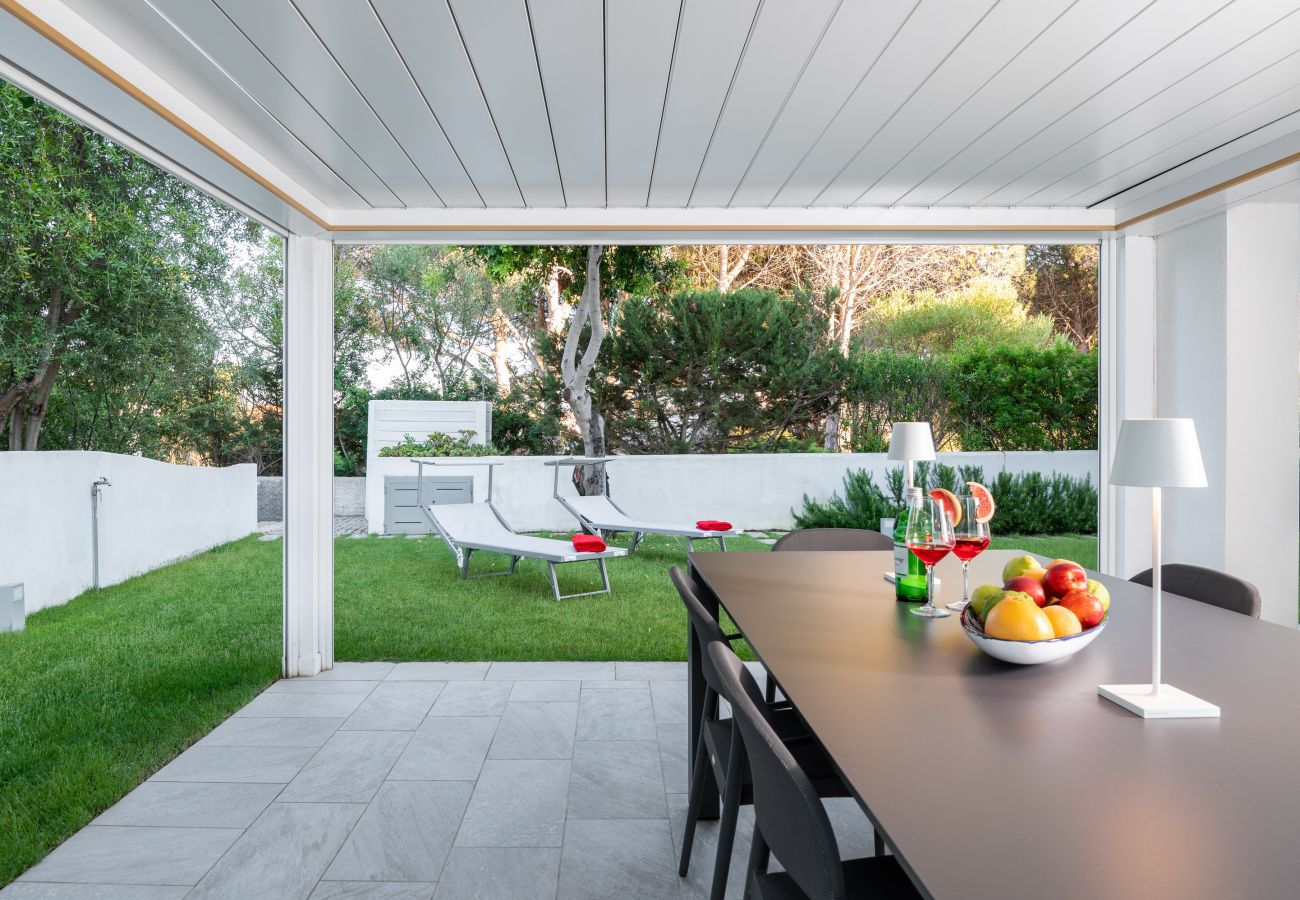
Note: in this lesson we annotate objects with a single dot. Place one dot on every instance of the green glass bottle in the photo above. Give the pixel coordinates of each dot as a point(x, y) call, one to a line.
point(909, 572)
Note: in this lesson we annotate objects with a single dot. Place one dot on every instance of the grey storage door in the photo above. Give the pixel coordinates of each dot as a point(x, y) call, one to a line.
point(402, 513)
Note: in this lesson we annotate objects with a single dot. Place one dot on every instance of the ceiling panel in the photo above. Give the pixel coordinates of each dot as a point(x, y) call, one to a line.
point(709, 47)
point(1011, 26)
point(1166, 83)
point(430, 47)
point(784, 39)
point(639, 52)
point(971, 174)
point(208, 27)
point(280, 32)
point(354, 36)
point(858, 35)
point(571, 54)
point(499, 41)
point(933, 32)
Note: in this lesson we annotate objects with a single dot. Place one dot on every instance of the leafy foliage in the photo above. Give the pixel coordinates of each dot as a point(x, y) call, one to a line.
point(460, 444)
point(1028, 503)
point(930, 323)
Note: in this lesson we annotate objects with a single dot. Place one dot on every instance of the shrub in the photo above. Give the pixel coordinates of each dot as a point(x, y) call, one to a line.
point(440, 445)
point(1028, 503)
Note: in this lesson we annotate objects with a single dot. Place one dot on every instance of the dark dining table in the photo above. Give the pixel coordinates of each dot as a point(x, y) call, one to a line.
point(991, 780)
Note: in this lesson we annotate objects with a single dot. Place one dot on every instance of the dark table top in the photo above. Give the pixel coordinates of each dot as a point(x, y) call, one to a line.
point(999, 781)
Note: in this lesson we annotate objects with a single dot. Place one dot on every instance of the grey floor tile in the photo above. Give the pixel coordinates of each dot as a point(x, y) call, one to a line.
point(439, 671)
point(704, 851)
point(472, 698)
point(535, 730)
point(616, 716)
point(615, 686)
point(517, 803)
point(631, 860)
point(296, 704)
point(546, 690)
point(853, 830)
point(652, 671)
point(669, 698)
point(551, 671)
point(321, 686)
point(372, 890)
point(672, 755)
point(404, 834)
point(270, 765)
point(616, 780)
point(348, 769)
point(500, 873)
point(283, 854)
point(395, 706)
point(181, 804)
point(356, 671)
point(37, 891)
point(446, 749)
point(109, 854)
point(298, 732)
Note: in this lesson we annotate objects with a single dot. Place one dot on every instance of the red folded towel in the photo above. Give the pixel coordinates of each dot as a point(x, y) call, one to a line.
point(588, 543)
point(712, 525)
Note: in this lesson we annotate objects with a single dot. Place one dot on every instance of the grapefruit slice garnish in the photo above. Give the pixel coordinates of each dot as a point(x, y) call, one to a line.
point(949, 501)
point(984, 505)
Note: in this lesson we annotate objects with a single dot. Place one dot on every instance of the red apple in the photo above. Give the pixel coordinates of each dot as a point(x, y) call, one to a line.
point(1029, 585)
point(1086, 605)
point(1064, 577)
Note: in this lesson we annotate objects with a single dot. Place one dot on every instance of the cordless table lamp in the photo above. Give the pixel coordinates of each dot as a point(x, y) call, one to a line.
point(911, 442)
point(1157, 453)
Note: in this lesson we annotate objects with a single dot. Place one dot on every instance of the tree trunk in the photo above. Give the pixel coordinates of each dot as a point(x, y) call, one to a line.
point(37, 403)
point(500, 347)
point(831, 432)
point(575, 370)
point(16, 427)
point(553, 311)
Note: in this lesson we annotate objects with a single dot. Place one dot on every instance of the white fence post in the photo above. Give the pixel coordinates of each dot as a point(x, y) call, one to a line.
point(308, 456)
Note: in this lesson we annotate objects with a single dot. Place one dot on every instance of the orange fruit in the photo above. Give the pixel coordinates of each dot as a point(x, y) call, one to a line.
point(1017, 618)
point(948, 500)
point(985, 507)
point(1064, 622)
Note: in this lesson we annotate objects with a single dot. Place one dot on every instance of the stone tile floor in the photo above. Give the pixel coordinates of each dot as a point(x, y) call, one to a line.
point(491, 781)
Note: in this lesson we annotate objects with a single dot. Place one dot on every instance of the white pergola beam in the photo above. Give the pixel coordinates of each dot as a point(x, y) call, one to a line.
point(308, 456)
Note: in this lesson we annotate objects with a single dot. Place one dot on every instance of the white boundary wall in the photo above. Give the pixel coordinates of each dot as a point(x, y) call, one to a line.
point(154, 513)
point(750, 490)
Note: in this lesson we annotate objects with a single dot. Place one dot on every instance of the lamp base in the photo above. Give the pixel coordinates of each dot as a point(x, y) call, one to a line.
point(1170, 703)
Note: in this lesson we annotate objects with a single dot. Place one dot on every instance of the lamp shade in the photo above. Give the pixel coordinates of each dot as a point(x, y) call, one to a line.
point(1158, 453)
point(911, 440)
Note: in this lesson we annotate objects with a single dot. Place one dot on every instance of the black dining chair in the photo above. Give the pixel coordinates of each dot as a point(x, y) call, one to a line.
point(790, 821)
point(834, 539)
point(719, 746)
point(1207, 586)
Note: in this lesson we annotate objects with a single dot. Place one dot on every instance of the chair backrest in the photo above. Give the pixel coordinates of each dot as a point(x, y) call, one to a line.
point(706, 627)
point(834, 539)
point(1206, 585)
point(469, 522)
point(787, 809)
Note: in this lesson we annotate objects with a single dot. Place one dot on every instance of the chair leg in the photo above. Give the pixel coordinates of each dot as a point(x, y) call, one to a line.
point(879, 842)
point(769, 689)
point(759, 857)
point(697, 787)
point(730, 812)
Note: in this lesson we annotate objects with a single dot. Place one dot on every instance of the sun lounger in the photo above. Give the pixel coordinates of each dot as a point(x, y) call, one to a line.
point(600, 514)
point(469, 527)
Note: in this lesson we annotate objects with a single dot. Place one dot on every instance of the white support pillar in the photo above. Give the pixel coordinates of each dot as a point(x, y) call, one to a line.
point(308, 456)
point(1126, 390)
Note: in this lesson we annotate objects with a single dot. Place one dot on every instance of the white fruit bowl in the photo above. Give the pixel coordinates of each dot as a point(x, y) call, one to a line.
point(1027, 653)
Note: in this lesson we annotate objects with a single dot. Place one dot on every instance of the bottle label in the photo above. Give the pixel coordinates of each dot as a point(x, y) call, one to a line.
point(901, 555)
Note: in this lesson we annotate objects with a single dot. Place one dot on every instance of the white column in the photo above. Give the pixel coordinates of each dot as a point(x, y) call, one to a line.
point(308, 456)
point(1126, 390)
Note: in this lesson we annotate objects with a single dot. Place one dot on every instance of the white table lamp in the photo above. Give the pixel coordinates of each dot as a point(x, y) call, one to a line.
point(1157, 453)
point(911, 442)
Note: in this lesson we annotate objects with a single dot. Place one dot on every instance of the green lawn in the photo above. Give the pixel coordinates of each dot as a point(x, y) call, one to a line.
point(1082, 548)
point(98, 694)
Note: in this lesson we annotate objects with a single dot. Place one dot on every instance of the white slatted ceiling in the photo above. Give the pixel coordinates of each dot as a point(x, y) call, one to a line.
point(707, 103)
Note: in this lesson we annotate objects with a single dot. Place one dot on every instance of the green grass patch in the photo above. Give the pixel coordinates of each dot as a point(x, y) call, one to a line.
point(1082, 548)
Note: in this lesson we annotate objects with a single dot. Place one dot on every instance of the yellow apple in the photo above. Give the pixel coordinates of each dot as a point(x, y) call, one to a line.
point(1023, 565)
point(1098, 589)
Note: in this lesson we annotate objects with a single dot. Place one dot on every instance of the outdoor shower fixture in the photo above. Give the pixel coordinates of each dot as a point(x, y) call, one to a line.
point(99, 483)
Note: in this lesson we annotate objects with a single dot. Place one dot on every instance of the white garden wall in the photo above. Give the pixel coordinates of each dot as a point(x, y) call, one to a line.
point(750, 490)
point(154, 513)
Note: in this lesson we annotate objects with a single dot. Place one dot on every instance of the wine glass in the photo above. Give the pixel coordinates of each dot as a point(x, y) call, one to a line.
point(929, 536)
point(972, 540)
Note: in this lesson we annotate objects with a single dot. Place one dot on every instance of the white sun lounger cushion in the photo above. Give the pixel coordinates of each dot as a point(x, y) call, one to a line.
point(475, 526)
point(602, 514)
